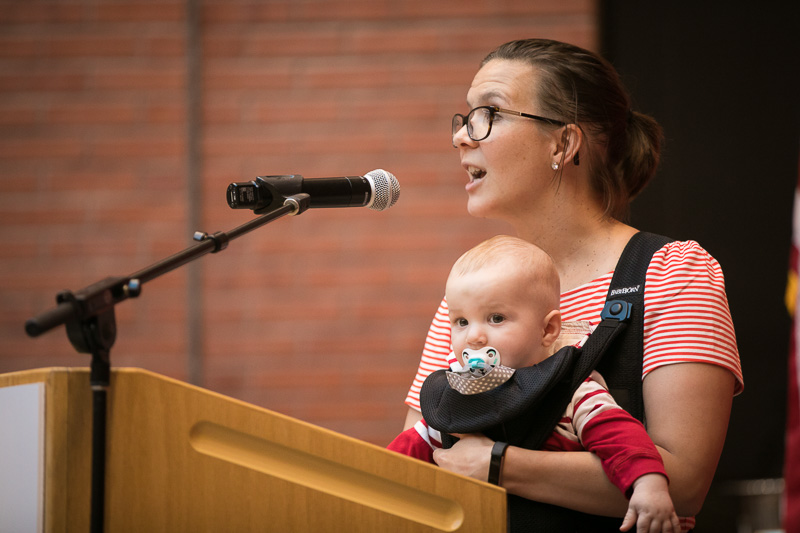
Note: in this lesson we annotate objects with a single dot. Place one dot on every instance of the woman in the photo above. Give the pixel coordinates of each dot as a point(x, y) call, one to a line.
point(552, 147)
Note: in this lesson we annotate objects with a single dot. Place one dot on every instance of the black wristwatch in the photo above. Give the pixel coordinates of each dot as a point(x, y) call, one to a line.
point(496, 462)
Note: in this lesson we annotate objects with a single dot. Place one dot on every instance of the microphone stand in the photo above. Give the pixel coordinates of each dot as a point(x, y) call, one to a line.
point(88, 315)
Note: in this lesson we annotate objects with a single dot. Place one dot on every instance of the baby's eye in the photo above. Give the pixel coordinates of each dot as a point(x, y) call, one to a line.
point(462, 322)
point(496, 319)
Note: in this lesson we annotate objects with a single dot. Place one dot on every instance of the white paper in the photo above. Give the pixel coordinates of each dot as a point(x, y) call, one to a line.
point(22, 458)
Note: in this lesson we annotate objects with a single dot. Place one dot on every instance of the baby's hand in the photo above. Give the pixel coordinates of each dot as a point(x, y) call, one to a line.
point(650, 507)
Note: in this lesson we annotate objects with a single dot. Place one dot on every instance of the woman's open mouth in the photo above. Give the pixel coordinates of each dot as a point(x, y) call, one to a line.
point(476, 173)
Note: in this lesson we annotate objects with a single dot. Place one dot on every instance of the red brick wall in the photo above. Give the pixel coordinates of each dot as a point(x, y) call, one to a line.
point(321, 316)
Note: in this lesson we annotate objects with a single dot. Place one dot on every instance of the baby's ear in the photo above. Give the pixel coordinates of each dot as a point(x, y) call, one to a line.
point(552, 327)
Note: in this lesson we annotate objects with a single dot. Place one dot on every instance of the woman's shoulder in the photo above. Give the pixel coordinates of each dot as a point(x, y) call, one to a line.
point(677, 264)
point(684, 260)
point(678, 250)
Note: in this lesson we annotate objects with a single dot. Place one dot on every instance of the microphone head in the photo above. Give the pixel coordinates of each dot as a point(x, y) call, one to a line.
point(385, 189)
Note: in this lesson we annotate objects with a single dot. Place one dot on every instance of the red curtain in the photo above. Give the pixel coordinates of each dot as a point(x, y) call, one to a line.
point(792, 459)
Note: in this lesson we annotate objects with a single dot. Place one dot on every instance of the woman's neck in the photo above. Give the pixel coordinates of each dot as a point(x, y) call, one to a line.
point(583, 248)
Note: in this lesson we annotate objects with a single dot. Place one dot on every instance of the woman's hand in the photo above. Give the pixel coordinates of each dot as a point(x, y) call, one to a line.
point(470, 456)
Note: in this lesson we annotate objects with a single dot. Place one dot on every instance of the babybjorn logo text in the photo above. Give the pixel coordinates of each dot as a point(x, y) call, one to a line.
point(625, 290)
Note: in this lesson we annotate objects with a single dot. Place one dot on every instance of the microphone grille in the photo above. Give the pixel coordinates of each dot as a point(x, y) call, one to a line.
point(386, 189)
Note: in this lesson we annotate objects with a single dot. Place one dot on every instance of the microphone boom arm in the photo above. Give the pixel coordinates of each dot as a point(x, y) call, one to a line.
point(95, 298)
point(88, 315)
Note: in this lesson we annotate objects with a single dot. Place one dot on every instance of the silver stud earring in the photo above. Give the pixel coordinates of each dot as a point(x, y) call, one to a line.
point(554, 165)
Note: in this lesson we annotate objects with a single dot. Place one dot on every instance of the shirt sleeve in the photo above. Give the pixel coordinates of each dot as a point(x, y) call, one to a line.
point(619, 440)
point(418, 442)
point(436, 354)
point(687, 317)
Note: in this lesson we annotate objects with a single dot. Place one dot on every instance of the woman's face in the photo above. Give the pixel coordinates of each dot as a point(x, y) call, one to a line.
point(509, 172)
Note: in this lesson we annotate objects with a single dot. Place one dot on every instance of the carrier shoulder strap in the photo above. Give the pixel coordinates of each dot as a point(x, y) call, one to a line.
point(621, 367)
point(615, 347)
point(615, 318)
point(620, 364)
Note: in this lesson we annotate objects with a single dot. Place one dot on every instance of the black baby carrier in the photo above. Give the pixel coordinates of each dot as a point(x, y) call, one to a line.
point(524, 410)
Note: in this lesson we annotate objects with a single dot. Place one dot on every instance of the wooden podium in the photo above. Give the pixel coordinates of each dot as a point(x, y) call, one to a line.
point(184, 459)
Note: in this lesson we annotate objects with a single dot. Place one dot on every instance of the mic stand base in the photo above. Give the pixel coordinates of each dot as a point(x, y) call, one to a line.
point(88, 316)
point(100, 382)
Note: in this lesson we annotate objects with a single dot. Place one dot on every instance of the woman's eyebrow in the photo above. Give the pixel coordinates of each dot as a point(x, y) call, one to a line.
point(488, 96)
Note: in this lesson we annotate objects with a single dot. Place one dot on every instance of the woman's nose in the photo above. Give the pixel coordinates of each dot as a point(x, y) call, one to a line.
point(461, 138)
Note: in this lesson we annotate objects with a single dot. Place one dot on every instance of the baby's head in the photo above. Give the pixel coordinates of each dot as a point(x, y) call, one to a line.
point(505, 293)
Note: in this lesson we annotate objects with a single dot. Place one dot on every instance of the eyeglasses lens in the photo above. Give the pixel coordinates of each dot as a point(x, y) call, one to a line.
point(480, 120)
point(479, 123)
point(458, 123)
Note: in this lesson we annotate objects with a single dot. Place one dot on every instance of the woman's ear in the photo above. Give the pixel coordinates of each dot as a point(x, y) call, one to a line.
point(572, 139)
point(552, 327)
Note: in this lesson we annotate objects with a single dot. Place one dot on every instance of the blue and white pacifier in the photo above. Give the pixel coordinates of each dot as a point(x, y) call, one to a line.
point(482, 359)
point(481, 372)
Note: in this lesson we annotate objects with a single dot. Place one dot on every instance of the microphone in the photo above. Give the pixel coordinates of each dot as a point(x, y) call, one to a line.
point(378, 190)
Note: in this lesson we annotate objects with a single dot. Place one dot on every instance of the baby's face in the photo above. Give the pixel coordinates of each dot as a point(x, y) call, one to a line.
point(490, 307)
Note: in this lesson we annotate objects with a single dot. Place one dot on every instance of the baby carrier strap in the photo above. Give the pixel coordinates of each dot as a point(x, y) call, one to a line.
point(621, 367)
point(620, 364)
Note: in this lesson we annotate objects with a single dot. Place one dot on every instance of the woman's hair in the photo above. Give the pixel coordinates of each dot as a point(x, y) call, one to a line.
point(577, 86)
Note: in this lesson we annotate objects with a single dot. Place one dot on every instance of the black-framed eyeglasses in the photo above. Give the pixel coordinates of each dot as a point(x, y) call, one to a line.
point(479, 120)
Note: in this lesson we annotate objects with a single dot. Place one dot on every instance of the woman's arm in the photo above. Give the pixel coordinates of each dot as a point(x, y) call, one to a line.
point(688, 406)
point(569, 479)
point(687, 409)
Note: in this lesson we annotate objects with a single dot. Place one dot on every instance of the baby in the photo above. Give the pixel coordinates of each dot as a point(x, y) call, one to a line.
point(503, 298)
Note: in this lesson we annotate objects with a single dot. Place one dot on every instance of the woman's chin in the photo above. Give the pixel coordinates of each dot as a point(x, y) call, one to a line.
point(478, 209)
point(473, 207)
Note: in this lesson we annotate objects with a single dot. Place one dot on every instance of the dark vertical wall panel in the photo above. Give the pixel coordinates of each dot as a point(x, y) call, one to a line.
point(724, 82)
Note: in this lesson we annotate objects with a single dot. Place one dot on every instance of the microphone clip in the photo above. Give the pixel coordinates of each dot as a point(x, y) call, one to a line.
point(265, 195)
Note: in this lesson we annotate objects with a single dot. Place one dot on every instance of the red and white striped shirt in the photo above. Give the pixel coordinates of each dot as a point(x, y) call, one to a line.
point(687, 318)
